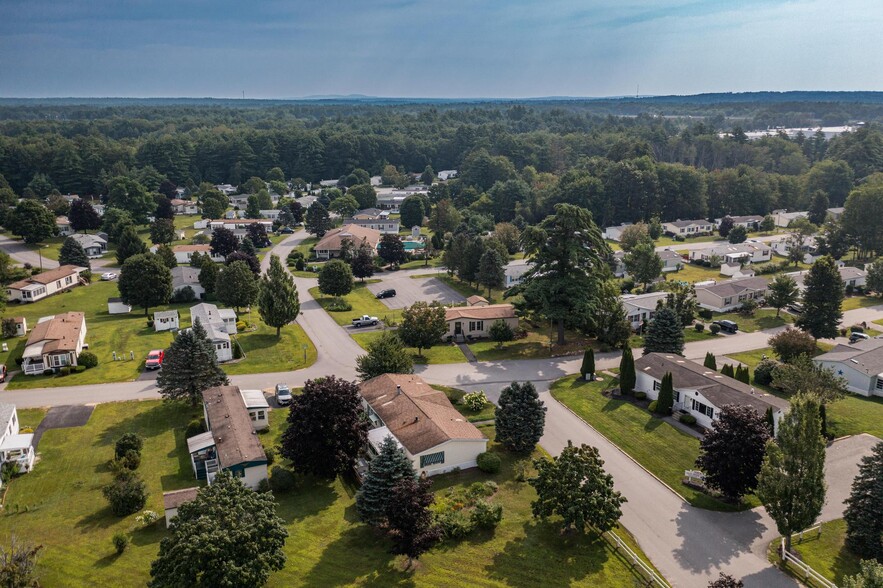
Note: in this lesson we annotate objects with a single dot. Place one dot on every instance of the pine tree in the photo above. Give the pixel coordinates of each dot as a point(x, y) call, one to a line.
point(278, 302)
point(385, 470)
point(727, 370)
point(665, 400)
point(864, 508)
point(248, 248)
point(710, 361)
point(129, 244)
point(165, 253)
point(317, 220)
point(822, 300)
point(627, 376)
point(665, 333)
point(520, 417)
point(588, 366)
point(72, 253)
point(491, 270)
point(190, 367)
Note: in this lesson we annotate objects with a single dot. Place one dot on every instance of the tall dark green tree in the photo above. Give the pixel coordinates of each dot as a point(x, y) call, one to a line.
point(710, 361)
point(129, 244)
point(385, 470)
point(643, 263)
point(491, 270)
point(190, 367)
point(520, 417)
point(72, 253)
point(412, 212)
point(208, 274)
point(665, 333)
point(237, 285)
point(665, 400)
point(627, 376)
point(587, 368)
point(317, 221)
point(114, 222)
point(32, 221)
point(782, 292)
point(386, 355)
point(864, 508)
point(252, 207)
point(822, 300)
point(278, 302)
point(336, 278)
point(223, 242)
point(165, 253)
point(145, 281)
point(391, 249)
point(410, 524)
point(162, 230)
point(83, 216)
point(362, 263)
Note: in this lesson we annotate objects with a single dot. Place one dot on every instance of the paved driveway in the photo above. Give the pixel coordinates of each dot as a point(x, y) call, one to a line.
point(62, 417)
point(411, 290)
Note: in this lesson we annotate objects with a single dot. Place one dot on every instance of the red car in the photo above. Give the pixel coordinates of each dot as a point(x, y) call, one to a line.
point(154, 359)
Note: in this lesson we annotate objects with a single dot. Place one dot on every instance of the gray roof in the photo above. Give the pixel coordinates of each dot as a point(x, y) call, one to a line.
point(235, 439)
point(748, 218)
point(718, 388)
point(184, 275)
point(687, 223)
point(165, 314)
point(728, 249)
point(211, 321)
point(645, 301)
point(865, 356)
point(6, 411)
point(88, 240)
point(668, 254)
point(735, 287)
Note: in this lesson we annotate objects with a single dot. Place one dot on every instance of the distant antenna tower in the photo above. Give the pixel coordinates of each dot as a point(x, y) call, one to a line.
point(243, 94)
point(638, 91)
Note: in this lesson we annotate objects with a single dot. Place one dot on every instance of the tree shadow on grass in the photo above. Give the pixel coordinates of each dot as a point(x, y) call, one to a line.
point(100, 519)
point(150, 423)
point(357, 557)
point(312, 497)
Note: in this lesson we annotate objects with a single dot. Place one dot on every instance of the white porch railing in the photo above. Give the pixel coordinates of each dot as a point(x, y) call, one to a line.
point(645, 570)
point(805, 569)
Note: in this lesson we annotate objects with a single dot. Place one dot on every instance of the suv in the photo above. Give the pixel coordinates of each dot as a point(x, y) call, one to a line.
point(727, 326)
point(283, 394)
point(154, 359)
point(386, 293)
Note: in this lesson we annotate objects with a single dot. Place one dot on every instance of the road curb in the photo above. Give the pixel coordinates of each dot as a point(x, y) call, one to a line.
point(622, 451)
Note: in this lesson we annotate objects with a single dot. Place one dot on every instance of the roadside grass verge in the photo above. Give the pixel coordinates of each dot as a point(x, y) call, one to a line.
point(763, 318)
point(362, 301)
point(856, 302)
point(825, 553)
point(437, 354)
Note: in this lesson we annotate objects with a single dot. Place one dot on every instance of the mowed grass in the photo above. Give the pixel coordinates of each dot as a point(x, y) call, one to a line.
point(658, 446)
point(856, 302)
point(826, 553)
point(763, 318)
point(59, 505)
point(362, 301)
point(535, 345)
point(441, 353)
point(692, 273)
point(265, 352)
point(455, 395)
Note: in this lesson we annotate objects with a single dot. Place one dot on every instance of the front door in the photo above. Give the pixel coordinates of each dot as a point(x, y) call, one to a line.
point(458, 328)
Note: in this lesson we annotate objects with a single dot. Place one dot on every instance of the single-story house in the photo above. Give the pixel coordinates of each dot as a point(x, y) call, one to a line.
point(258, 408)
point(688, 228)
point(782, 247)
point(45, 284)
point(730, 294)
point(165, 320)
point(615, 233)
point(750, 221)
point(231, 443)
point(172, 500)
point(641, 308)
point(447, 174)
point(783, 218)
point(329, 245)
point(270, 213)
point(184, 206)
point(433, 435)
point(219, 324)
point(700, 391)
point(63, 226)
point(184, 253)
point(475, 321)
point(117, 306)
point(227, 189)
point(391, 201)
point(736, 271)
point(851, 276)
point(860, 364)
point(739, 253)
point(239, 225)
point(476, 300)
point(185, 275)
point(514, 271)
point(671, 260)
point(15, 447)
point(376, 219)
point(21, 326)
point(619, 270)
point(55, 342)
point(835, 213)
point(93, 245)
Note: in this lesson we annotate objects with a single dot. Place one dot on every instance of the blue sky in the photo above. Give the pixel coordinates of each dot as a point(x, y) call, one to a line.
point(438, 48)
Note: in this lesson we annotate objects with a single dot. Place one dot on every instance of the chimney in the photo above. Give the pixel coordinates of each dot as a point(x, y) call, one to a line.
point(398, 389)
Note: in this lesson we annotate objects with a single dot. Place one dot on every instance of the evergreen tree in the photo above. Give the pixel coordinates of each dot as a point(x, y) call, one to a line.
point(190, 367)
point(165, 253)
point(501, 332)
point(423, 325)
point(386, 355)
point(252, 208)
point(410, 523)
point(317, 220)
point(818, 209)
point(278, 302)
point(362, 264)
point(208, 274)
point(791, 484)
point(587, 368)
point(864, 508)
point(727, 370)
point(520, 417)
point(665, 333)
point(237, 286)
point(385, 470)
point(247, 247)
point(72, 253)
point(129, 244)
point(491, 270)
point(145, 281)
point(627, 376)
point(782, 291)
point(665, 400)
point(710, 361)
point(412, 212)
point(822, 300)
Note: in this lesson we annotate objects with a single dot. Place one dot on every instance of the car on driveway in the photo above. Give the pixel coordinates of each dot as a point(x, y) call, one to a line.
point(365, 320)
point(286, 231)
point(856, 337)
point(390, 293)
point(283, 394)
point(154, 359)
point(727, 326)
point(108, 276)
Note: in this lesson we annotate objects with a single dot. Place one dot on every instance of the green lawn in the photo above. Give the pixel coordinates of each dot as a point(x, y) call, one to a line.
point(441, 353)
point(264, 352)
point(826, 553)
point(655, 444)
point(693, 273)
point(306, 246)
point(534, 345)
point(362, 301)
point(455, 395)
point(418, 263)
point(690, 335)
point(855, 302)
point(467, 290)
point(764, 318)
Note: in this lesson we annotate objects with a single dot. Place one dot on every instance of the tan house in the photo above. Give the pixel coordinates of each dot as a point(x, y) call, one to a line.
point(46, 284)
point(477, 300)
point(180, 206)
point(433, 435)
point(184, 253)
point(475, 322)
point(55, 342)
point(729, 295)
point(329, 246)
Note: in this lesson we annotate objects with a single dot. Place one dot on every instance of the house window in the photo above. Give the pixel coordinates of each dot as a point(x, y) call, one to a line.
point(703, 409)
point(476, 326)
point(656, 385)
point(728, 301)
point(68, 280)
point(58, 360)
point(432, 459)
point(261, 415)
point(677, 396)
point(879, 383)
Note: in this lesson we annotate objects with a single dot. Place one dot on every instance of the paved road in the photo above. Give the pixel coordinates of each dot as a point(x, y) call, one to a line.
point(25, 253)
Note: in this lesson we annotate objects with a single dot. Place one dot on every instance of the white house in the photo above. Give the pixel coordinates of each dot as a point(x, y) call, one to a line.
point(184, 206)
point(184, 253)
point(700, 391)
point(835, 213)
point(376, 219)
point(447, 174)
point(117, 306)
point(46, 284)
point(860, 364)
point(93, 245)
point(231, 443)
point(615, 233)
point(474, 322)
point(258, 408)
point(782, 248)
point(165, 320)
point(270, 213)
point(55, 342)
point(63, 226)
point(734, 254)
point(750, 221)
point(433, 435)
point(671, 260)
point(783, 218)
point(514, 271)
point(641, 308)
point(15, 447)
point(730, 294)
point(219, 324)
point(184, 276)
point(850, 276)
point(172, 500)
point(688, 228)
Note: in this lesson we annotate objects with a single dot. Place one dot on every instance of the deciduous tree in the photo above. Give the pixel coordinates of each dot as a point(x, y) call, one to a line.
point(520, 417)
point(190, 367)
point(83, 216)
point(423, 325)
point(162, 230)
point(336, 278)
point(782, 291)
point(223, 242)
point(278, 302)
point(391, 249)
point(236, 285)
point(790, 343)
point(208, 274)
point(410, 523)
point(634, 235)
point(145, 281)
point(127, 194)
point(317, 220)
point(643, 263)
point(362, 263)
point(386, 355)
point(32, 221)
point(501, 332)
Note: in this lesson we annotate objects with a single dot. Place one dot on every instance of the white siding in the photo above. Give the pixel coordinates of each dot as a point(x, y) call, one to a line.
point(458, 454)
point(856, 381)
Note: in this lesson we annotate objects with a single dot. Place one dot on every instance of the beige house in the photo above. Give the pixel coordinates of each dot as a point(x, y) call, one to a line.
point(46, 284)
point(688, 228)
point(329, 246)
point(55, 342)
point(184, 253)
point(729, 295)
point(475, 322)
point(433, 435)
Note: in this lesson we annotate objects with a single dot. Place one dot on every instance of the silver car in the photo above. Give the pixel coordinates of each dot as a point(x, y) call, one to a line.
point(283, 394)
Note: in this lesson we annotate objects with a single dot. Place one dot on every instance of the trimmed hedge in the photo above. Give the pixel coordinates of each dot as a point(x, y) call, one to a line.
point(687, 419)
point(488, 462)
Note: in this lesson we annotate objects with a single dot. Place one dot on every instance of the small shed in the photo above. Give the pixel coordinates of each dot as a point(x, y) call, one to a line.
point(172, 500)
point(165, 320)
point(117, 306)
point(21, 326)
point(476, 301)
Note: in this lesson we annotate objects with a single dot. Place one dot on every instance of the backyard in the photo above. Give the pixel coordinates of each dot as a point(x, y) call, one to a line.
point(826, 553)
point(441, 353)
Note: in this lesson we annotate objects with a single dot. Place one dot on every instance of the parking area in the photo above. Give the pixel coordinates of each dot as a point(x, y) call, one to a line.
point(411, 290)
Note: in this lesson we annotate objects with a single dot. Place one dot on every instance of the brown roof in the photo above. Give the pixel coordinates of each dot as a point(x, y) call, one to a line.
point(420, 417)
point(178, 202)
point(473, 300)
point(230, 424)
point(62, 332)
point(176, 498)
point(47, 277)
point(332, 239)
point(184, 248)
point(489, 312)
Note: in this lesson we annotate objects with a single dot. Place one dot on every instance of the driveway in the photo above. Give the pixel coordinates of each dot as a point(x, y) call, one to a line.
point(411, 290)
point(62, 417)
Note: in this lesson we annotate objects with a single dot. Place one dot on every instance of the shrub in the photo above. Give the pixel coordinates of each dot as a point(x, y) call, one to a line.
point(339, 304)
point(850, 289)
point(479, 490)
point(652, 407)
point(48, 372)
point(130, 461)
point(126, 494)
point(489, 462)
point(475, 401)
point(706, 314)
point(856, 329)
point(748, 308)
point(715, 329)
point(128, 442)
point(120, 542)
point(486, 515)
point(687, 419)
point(299, 265)
point(790, 343)
point(271, 455)
point(282, 479)
point(240, 326)
point(454, 523)
point(237, 350)
point(147, 518)
point(264, 486)
point(79, 369)
point(640, 395)
point(185, 294)
point(763, 373)
point(65, 371)
point(699, 327)
point(194, 427)
point(522, 469)
point(87, 359)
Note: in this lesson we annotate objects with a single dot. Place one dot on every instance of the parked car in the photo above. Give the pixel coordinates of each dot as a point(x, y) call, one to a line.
point(283, 394)
point(727, 326)
point(386, 293)
point(365, 320)
point(108, 276)
point(796, 307)
point(154, 359)
point(2, 372)
point(856, 337)
point(286, 231)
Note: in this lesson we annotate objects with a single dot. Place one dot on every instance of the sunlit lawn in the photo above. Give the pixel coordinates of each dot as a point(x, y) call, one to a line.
point(455, 395)
point(441, 353)
point(763, 318)
point(855, 302)
point(826, 553)
point(533, 346)
point(362, 301)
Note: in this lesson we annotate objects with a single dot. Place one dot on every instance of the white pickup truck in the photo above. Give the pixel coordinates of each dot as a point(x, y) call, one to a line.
point(365, 320)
